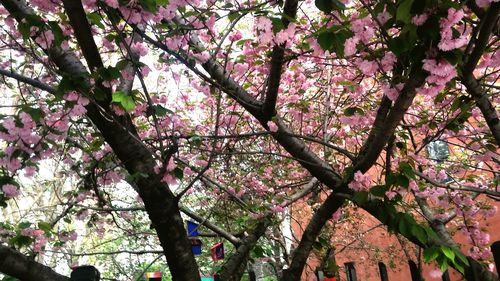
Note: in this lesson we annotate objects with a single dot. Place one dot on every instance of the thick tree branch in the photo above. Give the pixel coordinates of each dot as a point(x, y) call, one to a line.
point(233, 268)
point(277, 60)
point(384, 128)
point(494, 194)
point(27, 80)
point(488, 22)
point(486, 27)
point(313, 229)
point(21, 267)
point(228, 236)
point(83, 33)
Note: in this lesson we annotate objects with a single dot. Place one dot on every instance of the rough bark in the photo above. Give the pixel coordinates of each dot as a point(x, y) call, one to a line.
point(17, 265)
point(488, 24)
point(234, 267)
point(313, 229)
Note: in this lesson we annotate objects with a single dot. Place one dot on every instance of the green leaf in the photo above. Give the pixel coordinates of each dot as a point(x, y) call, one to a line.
point(95, 19)
point(448, 252)
point(402, 180)
point(419, 233)
point(379, 190)
point(109, 73)
point(403, 11)
point(232, 16)
point(329, 5)
point(430, 254)
point(35, 113)
point(20, 240)
point(277, 25)
point(178, 173)
point(45, 226)
point(126, 101)
point(461, 257)
point(326, 40)
point(122, 64)
point(404, 226)
point(148, 5)
point(9, 278)
point(360, 197)
point(161, 111)
point(24, 225)
point(350, 111)
point(407, 170)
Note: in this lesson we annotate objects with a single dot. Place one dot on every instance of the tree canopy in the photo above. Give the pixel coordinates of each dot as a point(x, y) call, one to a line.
point(128, 117)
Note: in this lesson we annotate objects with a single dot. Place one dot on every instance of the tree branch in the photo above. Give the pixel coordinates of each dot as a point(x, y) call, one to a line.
point(385, 127)
point(27, 80)
point(83, 33)
point(488, 22)
point(21, 267)
point(277, 60)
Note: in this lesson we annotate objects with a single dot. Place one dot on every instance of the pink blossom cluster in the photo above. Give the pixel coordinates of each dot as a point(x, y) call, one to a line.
point(44, 39)
point(140, 48)
point(46, 6)
point(419, 20)
point(440, 73)
point(10, 191)
point(264, 29)
point(361, 182)
point(485, 3)
point(37, 234)
point(392, 92)
point(447, 41)
point(80, 101)
point(21, 131)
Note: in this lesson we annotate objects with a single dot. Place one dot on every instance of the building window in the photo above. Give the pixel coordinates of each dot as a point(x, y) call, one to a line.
point(438, 150)
point(350, 272)
point(383, 272)
point(446, 276)
point(415, 273)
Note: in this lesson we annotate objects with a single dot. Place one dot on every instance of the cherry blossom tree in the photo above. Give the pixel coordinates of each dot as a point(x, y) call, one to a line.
point(164, 107)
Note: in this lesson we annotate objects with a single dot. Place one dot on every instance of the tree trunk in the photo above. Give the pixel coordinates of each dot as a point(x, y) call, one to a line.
point(17, 265)
point(301, 253)
point(234, 267)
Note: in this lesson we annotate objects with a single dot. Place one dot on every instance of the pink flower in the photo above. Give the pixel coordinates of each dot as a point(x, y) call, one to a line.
point(112, 3)
point(10, 191)
point(140, 48)
point(337, 215)
point(383, 17)
point(447, 41)
point(390, 194)
point(272, 126)
point(350, 46)
point(388, 61)
point(360, 182)
point(368, 68)
point(419, 20)
point(436, 273)
point(485, 3)
point(45, 39)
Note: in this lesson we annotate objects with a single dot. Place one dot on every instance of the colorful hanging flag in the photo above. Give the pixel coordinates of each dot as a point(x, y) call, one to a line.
point(196, 246)
point(192, 229)
point(152, 276)
point(218, 252)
